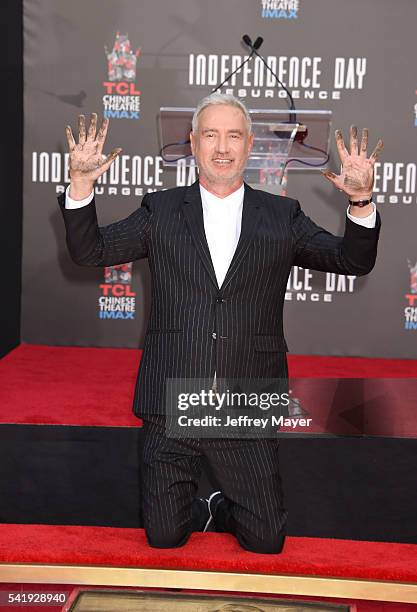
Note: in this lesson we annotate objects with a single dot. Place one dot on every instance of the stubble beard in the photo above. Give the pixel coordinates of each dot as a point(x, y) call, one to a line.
point(219, 179)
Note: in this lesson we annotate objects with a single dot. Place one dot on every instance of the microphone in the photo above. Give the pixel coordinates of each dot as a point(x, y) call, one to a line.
point(302, 132)
point(254, 47)
point(248, 41)
point(258, 42)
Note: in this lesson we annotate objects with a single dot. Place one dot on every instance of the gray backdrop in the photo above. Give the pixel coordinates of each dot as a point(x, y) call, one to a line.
point(356, 57)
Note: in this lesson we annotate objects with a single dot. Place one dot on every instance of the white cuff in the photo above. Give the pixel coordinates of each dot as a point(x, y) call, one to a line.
point(369, 221)
point(72, 204)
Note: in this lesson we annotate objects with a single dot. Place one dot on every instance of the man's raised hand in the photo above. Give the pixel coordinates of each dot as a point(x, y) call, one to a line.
point(86, 159)
point(357, 175)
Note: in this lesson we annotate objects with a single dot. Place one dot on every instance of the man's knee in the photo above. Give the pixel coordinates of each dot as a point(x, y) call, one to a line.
point(271, 544)
point(162, 538)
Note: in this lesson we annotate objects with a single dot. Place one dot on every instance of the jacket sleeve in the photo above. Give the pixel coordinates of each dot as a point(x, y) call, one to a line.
point(119, 242)
point(317, 249)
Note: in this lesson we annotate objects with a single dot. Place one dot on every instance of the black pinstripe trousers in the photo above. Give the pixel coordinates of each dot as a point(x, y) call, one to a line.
point(247, 471)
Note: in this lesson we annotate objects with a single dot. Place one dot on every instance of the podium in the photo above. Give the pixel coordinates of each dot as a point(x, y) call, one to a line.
point(283, 140)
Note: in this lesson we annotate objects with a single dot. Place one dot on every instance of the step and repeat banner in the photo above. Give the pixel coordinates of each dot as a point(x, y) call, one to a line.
point(126, 59)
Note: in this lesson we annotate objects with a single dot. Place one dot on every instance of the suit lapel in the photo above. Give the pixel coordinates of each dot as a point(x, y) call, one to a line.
point(193, 212)
point(251, 215)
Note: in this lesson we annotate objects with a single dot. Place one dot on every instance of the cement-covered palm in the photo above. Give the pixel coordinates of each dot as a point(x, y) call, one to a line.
point(357, 175)
point(86, 159)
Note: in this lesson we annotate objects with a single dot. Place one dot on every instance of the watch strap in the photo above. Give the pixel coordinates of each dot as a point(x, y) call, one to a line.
point(361, 203)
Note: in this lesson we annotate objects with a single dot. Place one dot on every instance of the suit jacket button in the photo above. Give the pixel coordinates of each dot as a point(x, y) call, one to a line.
point(220, 300)
point(214, 336)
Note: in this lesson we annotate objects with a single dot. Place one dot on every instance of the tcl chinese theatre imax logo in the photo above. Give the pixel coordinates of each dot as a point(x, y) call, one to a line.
point(117, 300)
point(121, 99)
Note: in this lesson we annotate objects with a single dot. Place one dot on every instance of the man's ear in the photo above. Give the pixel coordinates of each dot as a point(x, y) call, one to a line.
point(192, 142)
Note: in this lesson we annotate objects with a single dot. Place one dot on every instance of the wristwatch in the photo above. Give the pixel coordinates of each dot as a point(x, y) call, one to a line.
point(361, 203)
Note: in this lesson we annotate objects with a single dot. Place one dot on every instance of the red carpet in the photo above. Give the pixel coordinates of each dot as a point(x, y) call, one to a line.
point(68, 386)
point(211, 551)
point(94, 386)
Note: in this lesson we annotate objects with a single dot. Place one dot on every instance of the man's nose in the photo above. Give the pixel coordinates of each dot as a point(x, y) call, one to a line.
point(222, 143)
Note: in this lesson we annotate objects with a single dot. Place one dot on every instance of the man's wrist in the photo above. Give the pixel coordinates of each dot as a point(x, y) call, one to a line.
point(360, 212)
point(80, 191)
point(367, 197)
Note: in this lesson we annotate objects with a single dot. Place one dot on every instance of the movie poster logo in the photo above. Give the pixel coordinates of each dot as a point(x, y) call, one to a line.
point(117, 300)
point(410, 310)
point(302, 75)
point(280, 9)
point(121, 99)
point(305, 285)
point(129, 175)
point(395, 182)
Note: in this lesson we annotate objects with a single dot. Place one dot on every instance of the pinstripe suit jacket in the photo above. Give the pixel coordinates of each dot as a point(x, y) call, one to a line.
point(195, 326)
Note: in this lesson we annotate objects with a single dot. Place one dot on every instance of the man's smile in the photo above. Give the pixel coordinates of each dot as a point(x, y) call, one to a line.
point(221, 161)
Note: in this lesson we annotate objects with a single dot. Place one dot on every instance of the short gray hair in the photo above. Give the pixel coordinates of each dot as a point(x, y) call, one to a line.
point(219, 98)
